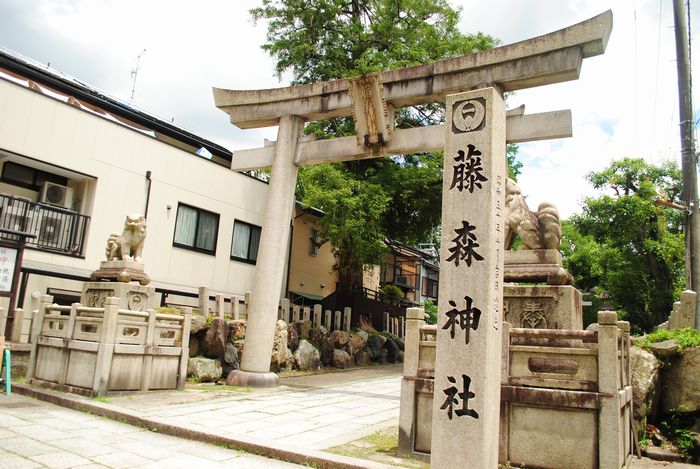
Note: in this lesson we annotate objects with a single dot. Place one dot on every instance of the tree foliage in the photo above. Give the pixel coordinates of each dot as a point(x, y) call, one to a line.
point(319, 40)
point(625, 244)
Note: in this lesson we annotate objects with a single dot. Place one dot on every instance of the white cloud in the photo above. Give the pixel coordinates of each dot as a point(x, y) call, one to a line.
point(624, 104)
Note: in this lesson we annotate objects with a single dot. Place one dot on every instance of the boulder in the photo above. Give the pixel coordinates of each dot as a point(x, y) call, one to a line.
point(399, 357)
point(307, 356)
point(341, 359)
point(374, 345)
point(279, 347)
point(357, 343)
point(194, 346)
point(339, 339)
point(319, 335)
point(197, 323)
point(214, 343)
point(289, 364)
point(305, 329)
point(236, 329)
point(239, 346)
point(363, 358)
point(645, 384)
point(204, 370)
point(665, 349)
point(327, 351)
point(292, 337)
point(392, 351)
point(231, 355)
point(681, 383)
point(363, 334)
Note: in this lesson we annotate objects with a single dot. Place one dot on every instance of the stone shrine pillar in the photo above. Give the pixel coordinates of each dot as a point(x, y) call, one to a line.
point(269, 269)
point(466, 401)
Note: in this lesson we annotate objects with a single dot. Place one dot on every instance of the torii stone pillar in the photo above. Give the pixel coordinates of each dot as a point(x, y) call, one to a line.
point(269, 271)
point(552, 58)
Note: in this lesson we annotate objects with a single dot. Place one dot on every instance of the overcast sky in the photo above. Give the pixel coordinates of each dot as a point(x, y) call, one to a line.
point(624, 104)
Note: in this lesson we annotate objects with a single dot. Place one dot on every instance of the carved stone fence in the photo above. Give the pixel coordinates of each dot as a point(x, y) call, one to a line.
point(331, 320)
point(566, 395)
point(90, 351)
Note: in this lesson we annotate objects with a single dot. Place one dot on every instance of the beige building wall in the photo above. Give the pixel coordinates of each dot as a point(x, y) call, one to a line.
point(114, 160)
point(308, 273)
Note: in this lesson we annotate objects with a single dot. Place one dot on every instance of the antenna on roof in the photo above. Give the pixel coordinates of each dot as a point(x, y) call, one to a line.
point(134, 74)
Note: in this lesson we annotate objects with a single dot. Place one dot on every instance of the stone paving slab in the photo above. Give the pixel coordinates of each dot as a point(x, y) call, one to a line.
point(127, 446)
point(293, 422)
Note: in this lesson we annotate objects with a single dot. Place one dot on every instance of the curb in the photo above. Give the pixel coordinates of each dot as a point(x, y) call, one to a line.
point(282, 452)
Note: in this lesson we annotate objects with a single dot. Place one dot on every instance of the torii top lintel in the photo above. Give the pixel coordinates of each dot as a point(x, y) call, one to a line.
point(543, 60)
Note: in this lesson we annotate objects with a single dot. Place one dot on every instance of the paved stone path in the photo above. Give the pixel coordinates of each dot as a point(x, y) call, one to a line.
point(34, 433)
point(311, 412)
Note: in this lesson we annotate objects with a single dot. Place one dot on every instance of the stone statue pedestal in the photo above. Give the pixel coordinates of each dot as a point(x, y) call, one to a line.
point(121, 271)
point(116, 276)
point(535, 266)
point(543, 306)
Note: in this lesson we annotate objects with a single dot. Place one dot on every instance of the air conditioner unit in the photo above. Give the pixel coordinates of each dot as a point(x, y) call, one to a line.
point(402, 279)
point(56, 194)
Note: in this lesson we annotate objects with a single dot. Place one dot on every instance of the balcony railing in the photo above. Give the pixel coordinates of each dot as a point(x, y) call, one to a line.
point(55, 228)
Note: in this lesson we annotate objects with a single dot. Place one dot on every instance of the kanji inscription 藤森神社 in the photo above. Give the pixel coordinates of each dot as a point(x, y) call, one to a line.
point(471, 273)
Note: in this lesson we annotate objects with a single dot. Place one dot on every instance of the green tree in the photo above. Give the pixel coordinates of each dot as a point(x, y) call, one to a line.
point(319, 40)
point(625, 244)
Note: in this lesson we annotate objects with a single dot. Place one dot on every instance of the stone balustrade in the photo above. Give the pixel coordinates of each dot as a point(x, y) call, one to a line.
point(90, 350)
point(566, 395)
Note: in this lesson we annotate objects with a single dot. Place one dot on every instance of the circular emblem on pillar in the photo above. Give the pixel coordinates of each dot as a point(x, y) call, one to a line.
point(468, 115)
point(135, 302)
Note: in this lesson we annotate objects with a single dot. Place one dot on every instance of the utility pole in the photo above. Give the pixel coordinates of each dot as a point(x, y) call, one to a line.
point(689, 158)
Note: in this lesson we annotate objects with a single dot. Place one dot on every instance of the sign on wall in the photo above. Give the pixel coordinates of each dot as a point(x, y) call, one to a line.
point(8, 259)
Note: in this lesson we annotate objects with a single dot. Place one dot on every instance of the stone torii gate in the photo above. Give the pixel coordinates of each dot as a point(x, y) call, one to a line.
point(467, 394)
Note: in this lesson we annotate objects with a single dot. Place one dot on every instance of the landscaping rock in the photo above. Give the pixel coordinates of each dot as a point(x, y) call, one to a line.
point(239, 346)
point(231, 355)
point(357, 343)
point(289, 364)
point(341, 359)
point(339, 339)
point(392, 351)
point(327, 352)
point(236, 329)
point(374, 344)
point(666, 349)
point(363, 334)
point(204, 370)
point(194, 346)
point(214, 343)
point(307, 356)
point(645, 384)
point(319, 335)
point(363, 358)
point(279, 347)
point(304, 329)
point(292, 337)
point(681, 383)
point(197, 323)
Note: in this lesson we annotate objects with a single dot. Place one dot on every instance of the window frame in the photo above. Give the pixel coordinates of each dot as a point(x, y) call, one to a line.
point(233, 235)
point(194, 247)
point(38, 177)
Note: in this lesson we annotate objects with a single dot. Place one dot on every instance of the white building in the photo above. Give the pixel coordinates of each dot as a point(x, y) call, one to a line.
point(74, 162)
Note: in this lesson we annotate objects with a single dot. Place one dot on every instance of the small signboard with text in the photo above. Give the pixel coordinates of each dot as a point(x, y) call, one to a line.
point(8, 260)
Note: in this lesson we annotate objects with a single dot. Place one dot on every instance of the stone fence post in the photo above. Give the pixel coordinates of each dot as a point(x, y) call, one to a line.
point(220, 306)
point(37, 326)
point(185, 344)
point(204, 301)
point(415, 319)
point(105, 350)
point(317, 316)
point(17, 324)
point(609, 427)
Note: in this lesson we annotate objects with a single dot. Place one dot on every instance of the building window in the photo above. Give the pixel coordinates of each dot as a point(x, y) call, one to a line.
point(30, 178)
point(246, 238)
point(196, 229)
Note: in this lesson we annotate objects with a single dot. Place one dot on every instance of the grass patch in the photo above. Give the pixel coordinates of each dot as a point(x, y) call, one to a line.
point(224, 387)
point(382, 447)
point(686, 337)
point(102, 399)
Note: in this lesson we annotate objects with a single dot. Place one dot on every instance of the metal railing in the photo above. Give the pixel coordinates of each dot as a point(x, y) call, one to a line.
point(55, 228)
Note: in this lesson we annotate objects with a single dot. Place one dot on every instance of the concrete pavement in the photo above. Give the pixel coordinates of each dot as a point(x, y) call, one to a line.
point(295, 422)
point(36, 434)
